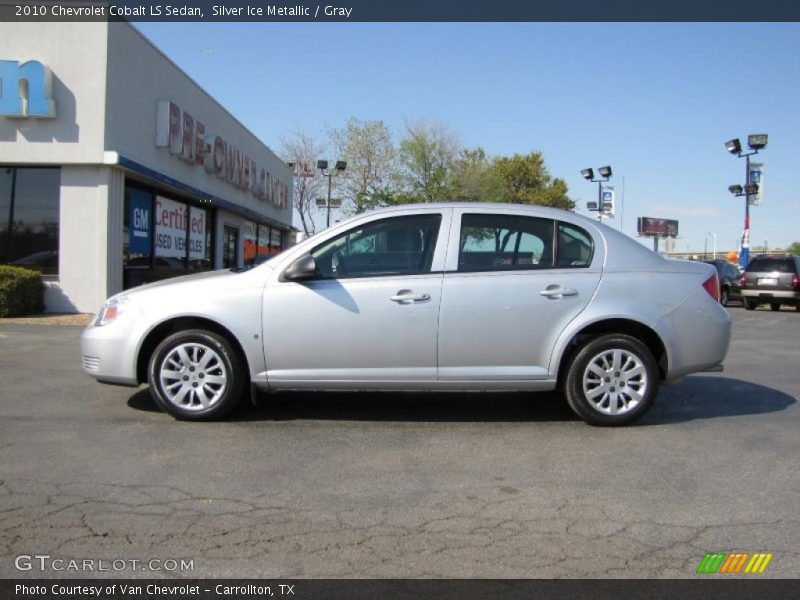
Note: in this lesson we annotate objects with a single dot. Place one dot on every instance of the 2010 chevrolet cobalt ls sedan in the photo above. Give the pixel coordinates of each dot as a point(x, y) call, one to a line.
point(449, 296)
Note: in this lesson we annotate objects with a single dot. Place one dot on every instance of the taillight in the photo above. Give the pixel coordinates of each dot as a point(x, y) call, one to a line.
point(711, 285)
point(795, 281)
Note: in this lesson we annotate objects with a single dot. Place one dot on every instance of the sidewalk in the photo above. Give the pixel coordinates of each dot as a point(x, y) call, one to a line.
point(49, 319)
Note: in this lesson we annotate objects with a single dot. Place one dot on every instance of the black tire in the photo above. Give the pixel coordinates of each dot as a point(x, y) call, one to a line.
point(775, 306)
point(724, 297)
point(749, 303)
point(224, 364)
point(574, 381)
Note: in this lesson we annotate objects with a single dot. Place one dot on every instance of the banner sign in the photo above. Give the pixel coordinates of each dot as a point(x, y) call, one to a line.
point(652, 227)
point(172, 220)
point(139, 207)
point(756, 175)
point(608, 200)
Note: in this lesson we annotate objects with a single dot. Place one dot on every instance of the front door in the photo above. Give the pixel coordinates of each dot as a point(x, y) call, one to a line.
point(370, 317)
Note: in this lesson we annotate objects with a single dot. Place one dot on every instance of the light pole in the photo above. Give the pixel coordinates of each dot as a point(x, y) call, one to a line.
point(588, 175)
point(714, 236)
point(756, 142)
point(322, 165)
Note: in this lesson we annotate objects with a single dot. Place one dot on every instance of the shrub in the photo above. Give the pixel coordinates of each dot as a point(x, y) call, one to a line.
point(21, 292)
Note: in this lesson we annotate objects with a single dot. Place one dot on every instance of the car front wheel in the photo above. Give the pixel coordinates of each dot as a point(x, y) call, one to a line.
point(612, 380)
point(196, 375)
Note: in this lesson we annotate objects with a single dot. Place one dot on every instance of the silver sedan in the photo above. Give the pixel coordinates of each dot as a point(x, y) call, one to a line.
point(451, 296)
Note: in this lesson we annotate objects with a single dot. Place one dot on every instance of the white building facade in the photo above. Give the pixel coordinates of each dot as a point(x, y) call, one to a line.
point(116, 169)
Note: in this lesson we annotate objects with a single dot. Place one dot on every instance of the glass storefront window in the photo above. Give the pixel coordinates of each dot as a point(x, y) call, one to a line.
point(29, 218)
point(163, 237)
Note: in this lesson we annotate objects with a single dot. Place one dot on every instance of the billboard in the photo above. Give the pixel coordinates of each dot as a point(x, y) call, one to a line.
point(652, 227)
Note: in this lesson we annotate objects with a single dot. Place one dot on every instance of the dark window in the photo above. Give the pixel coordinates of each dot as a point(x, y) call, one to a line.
point(394, 246)
point(505, 242)
point(29, 218)
point(230, 247)
point(575, 247)
point(781, 265)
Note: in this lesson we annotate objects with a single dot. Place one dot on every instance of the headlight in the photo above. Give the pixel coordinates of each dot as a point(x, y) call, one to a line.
point(112, 309)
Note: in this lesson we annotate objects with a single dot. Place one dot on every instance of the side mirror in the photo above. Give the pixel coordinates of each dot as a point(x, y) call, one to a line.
point(303, 268)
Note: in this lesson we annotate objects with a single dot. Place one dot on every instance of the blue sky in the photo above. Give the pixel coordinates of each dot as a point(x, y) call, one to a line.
point(656, 101)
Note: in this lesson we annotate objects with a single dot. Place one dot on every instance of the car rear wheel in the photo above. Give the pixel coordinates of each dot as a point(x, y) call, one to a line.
point(196, 375)
point(612, 380)
point(775, 306)
point(749, 304)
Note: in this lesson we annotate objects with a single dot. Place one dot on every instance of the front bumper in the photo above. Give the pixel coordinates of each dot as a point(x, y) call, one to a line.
point(109, 353)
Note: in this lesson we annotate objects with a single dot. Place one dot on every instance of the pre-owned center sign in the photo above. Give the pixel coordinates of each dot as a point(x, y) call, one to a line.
point(186, 137)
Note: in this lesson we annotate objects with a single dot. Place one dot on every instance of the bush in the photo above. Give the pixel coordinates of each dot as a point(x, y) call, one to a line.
point(21, 292)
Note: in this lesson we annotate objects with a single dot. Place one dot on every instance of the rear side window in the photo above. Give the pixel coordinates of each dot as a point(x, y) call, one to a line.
point(781, 265)
point(575, 247)
point(505, 242)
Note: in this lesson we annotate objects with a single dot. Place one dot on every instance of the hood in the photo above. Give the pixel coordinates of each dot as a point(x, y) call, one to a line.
point(207, 277)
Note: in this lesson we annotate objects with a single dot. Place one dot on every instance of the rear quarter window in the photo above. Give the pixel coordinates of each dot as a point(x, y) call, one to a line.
point(575, 247)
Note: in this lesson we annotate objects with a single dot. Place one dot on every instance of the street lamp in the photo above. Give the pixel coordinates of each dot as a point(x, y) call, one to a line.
point(714, 236)
point(756, 142)
point(322, 165)
point(588, 175)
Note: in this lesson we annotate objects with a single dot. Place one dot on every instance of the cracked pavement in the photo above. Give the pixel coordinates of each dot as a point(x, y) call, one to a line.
point(402, 485)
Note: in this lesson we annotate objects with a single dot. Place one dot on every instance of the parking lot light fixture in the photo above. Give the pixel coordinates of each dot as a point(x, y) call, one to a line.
point(339, 167)
point(605, 173)
point(734, 146)
point(751, 189)
point(756, 142)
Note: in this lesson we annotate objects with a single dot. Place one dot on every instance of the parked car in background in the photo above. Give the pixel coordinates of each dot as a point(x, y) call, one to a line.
point(773, 280)
point(730, 281)
point(452, 296)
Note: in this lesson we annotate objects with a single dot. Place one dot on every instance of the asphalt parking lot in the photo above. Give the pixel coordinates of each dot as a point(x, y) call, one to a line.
point(401, 485)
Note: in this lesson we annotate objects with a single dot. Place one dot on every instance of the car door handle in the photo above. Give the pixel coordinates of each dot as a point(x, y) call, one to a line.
point(406, 296)
point(556, 291)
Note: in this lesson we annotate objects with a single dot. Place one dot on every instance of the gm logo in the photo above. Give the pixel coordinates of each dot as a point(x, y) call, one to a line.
point(735, 562)
point(26, 90)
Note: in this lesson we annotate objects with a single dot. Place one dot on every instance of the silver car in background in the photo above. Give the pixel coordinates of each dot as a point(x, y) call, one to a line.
point(451, 296)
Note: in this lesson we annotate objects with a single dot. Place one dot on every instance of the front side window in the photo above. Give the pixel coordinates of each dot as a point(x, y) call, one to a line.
point(505, 242)
point(393, 246)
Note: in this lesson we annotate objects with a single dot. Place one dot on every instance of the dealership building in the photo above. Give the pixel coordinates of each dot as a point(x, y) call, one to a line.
point(117, 169)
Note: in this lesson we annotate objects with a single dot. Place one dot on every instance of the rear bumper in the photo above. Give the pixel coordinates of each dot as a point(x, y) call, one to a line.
point(697, 334)
point(768, 294)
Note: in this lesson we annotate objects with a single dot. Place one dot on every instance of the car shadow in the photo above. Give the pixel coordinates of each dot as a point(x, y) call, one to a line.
point(698, 397)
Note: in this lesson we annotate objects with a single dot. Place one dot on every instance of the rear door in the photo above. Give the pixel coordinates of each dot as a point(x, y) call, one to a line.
point(512, 283)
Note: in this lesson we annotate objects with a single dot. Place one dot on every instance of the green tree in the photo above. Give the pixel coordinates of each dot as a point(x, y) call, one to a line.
point(471, 178)
point(426, 154)
point(371, 156)
point(794, 249)
point(524, 179)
